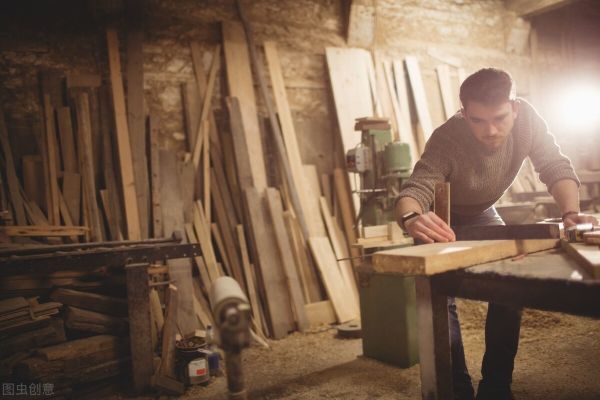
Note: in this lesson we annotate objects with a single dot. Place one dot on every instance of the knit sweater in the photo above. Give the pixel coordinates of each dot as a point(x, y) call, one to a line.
point(478, 177)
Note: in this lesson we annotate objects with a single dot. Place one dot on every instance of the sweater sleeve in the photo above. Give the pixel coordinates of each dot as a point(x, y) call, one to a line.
point(549, 162)
point(433, 167)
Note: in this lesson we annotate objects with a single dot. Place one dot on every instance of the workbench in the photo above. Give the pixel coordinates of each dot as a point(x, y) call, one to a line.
point(546, 280)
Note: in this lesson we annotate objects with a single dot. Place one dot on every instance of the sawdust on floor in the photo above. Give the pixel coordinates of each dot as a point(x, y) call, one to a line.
point(558, 359)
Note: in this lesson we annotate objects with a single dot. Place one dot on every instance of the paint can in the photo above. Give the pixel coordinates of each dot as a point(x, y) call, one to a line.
point(192, 360)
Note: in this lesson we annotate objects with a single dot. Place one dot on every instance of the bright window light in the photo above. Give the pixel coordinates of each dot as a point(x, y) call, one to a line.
point(578, 107)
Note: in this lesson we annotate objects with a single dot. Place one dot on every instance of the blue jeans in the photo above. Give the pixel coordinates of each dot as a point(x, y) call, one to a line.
point(502, 327)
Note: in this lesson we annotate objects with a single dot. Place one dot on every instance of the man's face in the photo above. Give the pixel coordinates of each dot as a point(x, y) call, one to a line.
point(491, 124)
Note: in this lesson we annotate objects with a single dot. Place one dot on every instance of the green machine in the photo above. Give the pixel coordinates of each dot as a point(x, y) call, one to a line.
point(387, 302)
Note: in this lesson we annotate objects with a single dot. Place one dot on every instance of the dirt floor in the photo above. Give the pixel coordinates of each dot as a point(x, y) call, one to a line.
point(558, 359)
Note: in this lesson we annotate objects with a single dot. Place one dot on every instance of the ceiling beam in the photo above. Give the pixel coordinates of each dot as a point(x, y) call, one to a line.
point(529, 8)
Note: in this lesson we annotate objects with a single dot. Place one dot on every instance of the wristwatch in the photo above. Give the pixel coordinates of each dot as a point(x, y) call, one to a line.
point(406, 217)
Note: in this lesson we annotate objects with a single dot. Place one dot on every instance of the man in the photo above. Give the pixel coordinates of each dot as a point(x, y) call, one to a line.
point(480, 151)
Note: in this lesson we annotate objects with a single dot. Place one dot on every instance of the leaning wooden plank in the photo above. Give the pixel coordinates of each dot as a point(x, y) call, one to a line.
point(340, 248)
point(332, 279)
point(137, 125)
point(180, 273)
point(436, 258)
point(443, 75)
point(420, 98)
point(406, 128)
point(240, 147)
point(279, 307)
point(66, 215)
point(52, 160)
point(203, 123)
point(167, 366)
point(587, 256)
point(140, 325)
point(51, 230)
point(202, 229)
point(33, 178)
point(201, 307)
point(171, 199)
point(191, 103)
point(310, 212)
point(123, 140)
point(349, 80)
point(290, 268)
point(91, 301)
point(67, 141)
point(13, 181)
point(200, 264)
point(239, 81)
point(157, 231)
point(300, 251)
point(86, 165)
point(252, 293)
point(71, 189)
point(320, 313)
point(108, 157)
point(342, 191)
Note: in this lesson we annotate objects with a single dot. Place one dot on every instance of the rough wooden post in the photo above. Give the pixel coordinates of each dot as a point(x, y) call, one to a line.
point(140, 328)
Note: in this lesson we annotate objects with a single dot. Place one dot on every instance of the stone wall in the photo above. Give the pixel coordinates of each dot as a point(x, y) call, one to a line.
point(473, 33)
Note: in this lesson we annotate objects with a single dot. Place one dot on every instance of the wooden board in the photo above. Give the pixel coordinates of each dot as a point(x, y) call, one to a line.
point(592, 237)
point(13, 180)
point(171, 200)
point(71, 192)
point(448, 100)
point(51, 162)
point(252, 291)
point(95, 322)
point(123, 139)
point(240, 84)
point(309, 210)
point(404, 106)
point(167, 366)
point(349, 80)
point(240, 147)
point(202, 228)
point(340, 249)
point(180, 274)
point(91, 301)
point(341, 190)
point(587, 256)
point(320, 313)
point(157, 231)
point(137, 125)
point(290, 268)
point(67, 141)
point(436, 258)
point(50, 230)
point(33, 178)
point(420, 99)
point(279, 307)
point(86, 165)
point(493, 232)
point(332, 279)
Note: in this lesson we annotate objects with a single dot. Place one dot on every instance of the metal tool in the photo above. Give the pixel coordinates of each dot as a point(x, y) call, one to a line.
point(231, 311)
point(575, 233)
point(382, 165)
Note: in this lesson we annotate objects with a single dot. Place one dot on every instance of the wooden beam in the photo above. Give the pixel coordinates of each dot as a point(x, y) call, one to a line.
point(436, 258)
point(86, 165)
point(67, 141)
point(240, 84)
point(448, 100)
point(530, 8)
point(49, 230)
point(52, 160)
point(13, 180)
point(137, 124)
point(123, 139)
point(157, 231)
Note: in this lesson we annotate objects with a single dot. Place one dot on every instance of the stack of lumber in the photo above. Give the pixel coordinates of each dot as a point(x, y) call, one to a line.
point(71, 365)
point(17, 311)
point(91, 312)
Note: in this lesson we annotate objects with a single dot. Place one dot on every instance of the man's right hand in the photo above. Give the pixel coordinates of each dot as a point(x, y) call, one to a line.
point(429, 228)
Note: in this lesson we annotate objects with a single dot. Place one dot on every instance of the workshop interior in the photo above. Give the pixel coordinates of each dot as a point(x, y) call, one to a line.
point(199, 199)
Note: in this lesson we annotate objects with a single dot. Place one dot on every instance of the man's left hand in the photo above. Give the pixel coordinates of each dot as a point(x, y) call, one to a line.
point(575, 219)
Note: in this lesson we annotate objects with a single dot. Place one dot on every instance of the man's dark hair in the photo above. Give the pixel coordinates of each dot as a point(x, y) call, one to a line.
point(489, 86)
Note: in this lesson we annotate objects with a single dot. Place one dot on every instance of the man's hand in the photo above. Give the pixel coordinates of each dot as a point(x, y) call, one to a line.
point(429, 228)
point(574, 219)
